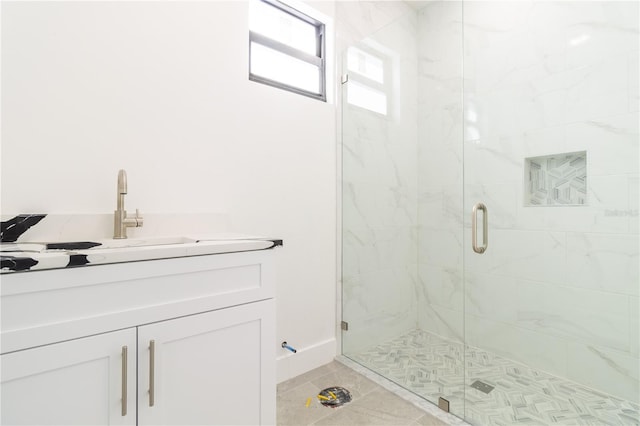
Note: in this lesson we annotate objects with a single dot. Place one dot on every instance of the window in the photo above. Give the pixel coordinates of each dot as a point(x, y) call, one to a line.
point(286, 49)
point(368, 80)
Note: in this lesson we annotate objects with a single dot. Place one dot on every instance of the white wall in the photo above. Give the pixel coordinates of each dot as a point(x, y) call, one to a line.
point(161, 90)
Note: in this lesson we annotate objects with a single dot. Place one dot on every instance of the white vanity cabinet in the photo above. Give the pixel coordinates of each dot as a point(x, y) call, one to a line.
point(78, 382)
point(206, 369)
point(198, 331)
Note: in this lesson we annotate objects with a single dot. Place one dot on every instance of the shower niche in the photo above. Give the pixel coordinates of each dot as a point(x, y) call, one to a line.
point(556, 180)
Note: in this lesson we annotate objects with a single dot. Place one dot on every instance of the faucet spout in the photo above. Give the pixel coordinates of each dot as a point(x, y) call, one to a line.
point(122, 190)
point(122, 182)
point(120, 220)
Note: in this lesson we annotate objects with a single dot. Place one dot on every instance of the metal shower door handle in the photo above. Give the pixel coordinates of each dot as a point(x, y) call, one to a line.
point(474, 228)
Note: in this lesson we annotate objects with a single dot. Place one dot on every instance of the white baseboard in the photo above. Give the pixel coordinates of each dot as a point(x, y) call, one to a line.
point(290, 365)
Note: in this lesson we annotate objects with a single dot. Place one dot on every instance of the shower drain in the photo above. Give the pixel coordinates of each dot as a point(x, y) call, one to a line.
point(482, 386)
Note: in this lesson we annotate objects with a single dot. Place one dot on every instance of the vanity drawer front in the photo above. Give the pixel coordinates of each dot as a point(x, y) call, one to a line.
point(42, 307)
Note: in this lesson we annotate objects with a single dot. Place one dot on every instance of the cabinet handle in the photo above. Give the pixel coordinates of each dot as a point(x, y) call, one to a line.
point(152, 366)
point(125, 351)
point(474, 228)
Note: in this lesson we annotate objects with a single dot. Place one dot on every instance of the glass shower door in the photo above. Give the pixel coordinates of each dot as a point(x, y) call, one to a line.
point(402, 226)
point(529, 112)
point(379, 196)
point(551, 149)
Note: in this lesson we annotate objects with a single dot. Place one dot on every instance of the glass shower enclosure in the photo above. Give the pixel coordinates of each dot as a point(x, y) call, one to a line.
point(490, 163)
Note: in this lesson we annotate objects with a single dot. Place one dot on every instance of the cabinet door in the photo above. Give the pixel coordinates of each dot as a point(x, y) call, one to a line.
point(214, 368)
point(78, 382)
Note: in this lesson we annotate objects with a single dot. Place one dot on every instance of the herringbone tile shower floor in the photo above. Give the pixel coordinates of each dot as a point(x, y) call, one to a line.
point(433, 367)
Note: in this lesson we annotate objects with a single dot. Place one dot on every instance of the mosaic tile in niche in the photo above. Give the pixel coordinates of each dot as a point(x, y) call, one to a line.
point(556, 180)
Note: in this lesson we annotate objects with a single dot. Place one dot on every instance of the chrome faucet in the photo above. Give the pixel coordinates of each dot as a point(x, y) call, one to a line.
point(120, 221)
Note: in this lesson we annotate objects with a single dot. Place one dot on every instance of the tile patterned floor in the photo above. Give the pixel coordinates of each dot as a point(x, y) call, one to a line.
point(371, 404)
point(431, 367)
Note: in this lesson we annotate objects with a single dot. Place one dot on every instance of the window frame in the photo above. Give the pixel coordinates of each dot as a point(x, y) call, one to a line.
point(318, 60)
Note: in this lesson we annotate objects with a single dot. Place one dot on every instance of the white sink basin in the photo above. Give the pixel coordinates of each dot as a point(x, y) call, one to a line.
point(133, 249)
point(142, 242)
point(124, 243)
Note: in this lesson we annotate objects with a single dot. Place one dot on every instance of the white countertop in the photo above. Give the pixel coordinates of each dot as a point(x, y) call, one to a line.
point(31, 256)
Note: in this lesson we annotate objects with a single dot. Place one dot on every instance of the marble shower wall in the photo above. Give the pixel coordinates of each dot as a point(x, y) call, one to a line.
point(558, 287)
point(379, 176)
point(440, 167)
